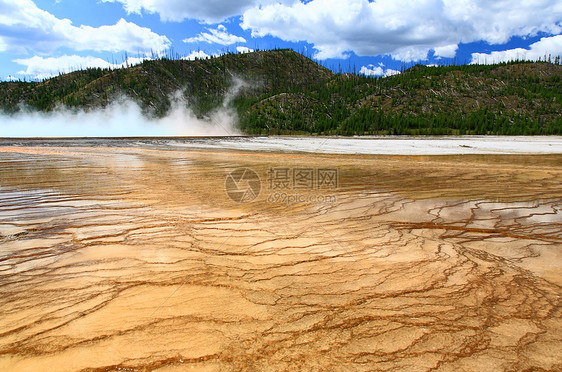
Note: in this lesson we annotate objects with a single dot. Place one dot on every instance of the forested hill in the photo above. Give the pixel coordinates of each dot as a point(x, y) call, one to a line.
point(154, 83)
point(513, 98)
point(287, 93)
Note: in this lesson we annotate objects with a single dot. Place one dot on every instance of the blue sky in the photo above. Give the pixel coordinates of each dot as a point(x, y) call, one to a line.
point(40, 38)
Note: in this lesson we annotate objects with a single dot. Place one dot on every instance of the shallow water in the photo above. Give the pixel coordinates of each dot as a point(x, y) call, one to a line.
point(136, 257)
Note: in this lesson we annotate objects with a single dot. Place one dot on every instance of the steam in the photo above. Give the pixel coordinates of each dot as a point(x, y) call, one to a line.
point(123, 118)
point(237, 85)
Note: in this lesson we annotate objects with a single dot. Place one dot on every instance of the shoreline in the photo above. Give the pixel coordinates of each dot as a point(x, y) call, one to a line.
point(372, 145)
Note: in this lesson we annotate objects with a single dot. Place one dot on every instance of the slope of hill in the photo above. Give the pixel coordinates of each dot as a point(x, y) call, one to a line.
point(515, 98)
point(152, 84)
point(287, 93)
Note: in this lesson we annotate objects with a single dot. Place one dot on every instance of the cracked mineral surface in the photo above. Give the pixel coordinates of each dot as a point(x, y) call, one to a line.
point(123, 258)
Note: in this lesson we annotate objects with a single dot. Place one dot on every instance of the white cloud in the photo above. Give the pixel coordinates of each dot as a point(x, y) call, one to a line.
point(196, 55)
point(209, 11)
point(243, 49)
point(23, 27)
point(42, 68)
point(447, 51)
point(546, 46)
point(371, 70)
point(219, 35)
point(202, 55)
point(390, 72)
point(405, 29)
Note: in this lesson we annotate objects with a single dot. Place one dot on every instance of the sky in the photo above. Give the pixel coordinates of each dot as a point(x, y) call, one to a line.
point(42, 38)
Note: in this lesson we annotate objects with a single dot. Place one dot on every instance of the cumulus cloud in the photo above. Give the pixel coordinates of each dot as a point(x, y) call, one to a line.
point(38, 67)
point(209, 11)
point(219, 35)
point(547, 46)
point(405, 29)
point(196, 55)
point(390, 72)
point(202, 55)
point(24, 27)
point(371, 70)
point(243, 49)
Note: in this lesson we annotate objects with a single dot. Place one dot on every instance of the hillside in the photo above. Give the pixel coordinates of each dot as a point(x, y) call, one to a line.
point(152, 84)
point(515, 98)
point(287, 93)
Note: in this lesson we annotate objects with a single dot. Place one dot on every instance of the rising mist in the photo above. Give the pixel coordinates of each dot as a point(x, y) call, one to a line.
point(124, 118)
